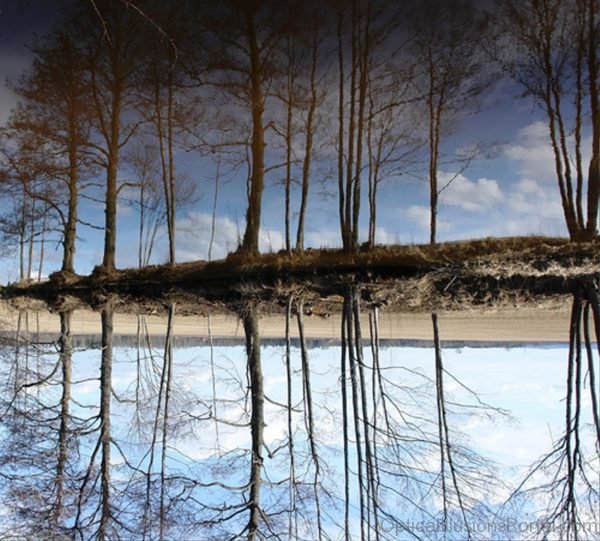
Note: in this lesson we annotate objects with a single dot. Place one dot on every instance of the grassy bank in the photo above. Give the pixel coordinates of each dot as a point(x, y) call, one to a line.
point(533, 262)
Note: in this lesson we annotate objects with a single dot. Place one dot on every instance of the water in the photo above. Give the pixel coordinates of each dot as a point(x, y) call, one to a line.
point(285, 427)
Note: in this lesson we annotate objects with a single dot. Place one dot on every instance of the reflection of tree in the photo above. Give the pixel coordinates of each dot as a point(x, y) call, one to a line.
point(306, 449)
point(161, 425)
point(95, 513)
point(257, 419)
point(567, 477)
point(399, 451)
point(66, 360)
point(39, 455)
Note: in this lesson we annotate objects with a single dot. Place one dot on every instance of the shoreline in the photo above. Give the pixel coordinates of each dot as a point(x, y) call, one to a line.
point(528, 324)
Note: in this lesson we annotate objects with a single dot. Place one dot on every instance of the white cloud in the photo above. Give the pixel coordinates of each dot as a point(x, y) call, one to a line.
point(473, 196)
point(532, 153)
point(419, 215)
point(533, 198)
point(384, 236)
point(270, 240)
point(194, 231)
point(193, 236)
point(323, 238)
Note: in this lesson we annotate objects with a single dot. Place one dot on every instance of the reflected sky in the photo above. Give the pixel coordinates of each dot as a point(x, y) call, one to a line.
point(188, 461)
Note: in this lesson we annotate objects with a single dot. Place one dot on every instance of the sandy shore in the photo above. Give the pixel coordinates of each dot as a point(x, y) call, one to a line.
point(523, 325)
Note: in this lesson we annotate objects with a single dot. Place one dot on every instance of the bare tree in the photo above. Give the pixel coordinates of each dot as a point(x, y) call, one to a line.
point(51, 127)
point(239, 49)
point(566, 476)
point(313, 100)
point(152, 213)
point(446, 47)
point(110, 34)
point(551, 48)
point(257, 420)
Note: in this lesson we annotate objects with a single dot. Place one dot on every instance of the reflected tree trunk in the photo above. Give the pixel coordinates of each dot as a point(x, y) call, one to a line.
point(257, 421)
point(213, 378)
point(446, 453)
point(350, 346)
point(293, 520)
point(66, 352)
point(102, 516)
point(161, 429)
point(105, 404)
point(571, 493)
point(309, 420)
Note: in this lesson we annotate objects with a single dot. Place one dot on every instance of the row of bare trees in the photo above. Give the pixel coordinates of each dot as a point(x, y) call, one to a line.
point(265, 443)
point(360, 91)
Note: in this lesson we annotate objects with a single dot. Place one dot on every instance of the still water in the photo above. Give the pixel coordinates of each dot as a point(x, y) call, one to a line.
point(361, 425)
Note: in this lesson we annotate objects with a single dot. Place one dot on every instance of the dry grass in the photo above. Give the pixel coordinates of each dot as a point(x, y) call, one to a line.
point(401, 258)
point(497, 257)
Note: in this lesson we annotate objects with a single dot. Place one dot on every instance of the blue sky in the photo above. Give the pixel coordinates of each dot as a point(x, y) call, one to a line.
point(512, 193)
point(528, 382)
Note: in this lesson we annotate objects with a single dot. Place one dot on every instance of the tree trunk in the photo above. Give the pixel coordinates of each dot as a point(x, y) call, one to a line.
point(171, 156)
point(309, 138)
point(257, 420)
point(213, 222)
point(594, 169)
point(71, 226)
point(288, 140)
point(250, 243)
point(309, 418)
point(66, 350)
point(341, 129)
point(105, 437)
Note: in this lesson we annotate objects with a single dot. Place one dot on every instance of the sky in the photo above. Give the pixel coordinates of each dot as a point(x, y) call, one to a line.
point(527, 383)
point(513, 192)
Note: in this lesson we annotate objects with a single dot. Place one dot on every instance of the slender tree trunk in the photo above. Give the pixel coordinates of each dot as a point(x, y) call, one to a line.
point(31, 240)
point(306, 382)
point(292, 522)
point(164, 132)
point(22, 229)
point(213, 223)
point(289, 139)
point(348, 241)
point(110, 233)
point(141, 258)
point(308, 146)
point(66, 350)
point(42, 243)
point(171, 156)
point(71, 226)
point(434, 102)
point(168, 369)
point(364, 39)
point(594, 169)
point(105, 429)
point(213, 378)
point(341, 125)
point(250, 243)
point(257, 419)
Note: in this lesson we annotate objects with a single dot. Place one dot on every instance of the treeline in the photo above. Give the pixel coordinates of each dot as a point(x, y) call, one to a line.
point(285, 442)
point(352, 92)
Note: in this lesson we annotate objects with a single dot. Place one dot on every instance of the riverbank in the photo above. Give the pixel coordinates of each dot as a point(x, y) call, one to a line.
point(504, 273)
